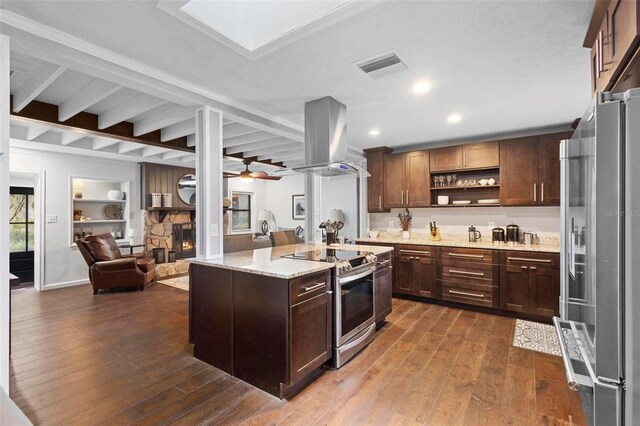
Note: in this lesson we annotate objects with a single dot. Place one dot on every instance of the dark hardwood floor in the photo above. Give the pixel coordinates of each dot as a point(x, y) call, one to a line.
point(123, 358)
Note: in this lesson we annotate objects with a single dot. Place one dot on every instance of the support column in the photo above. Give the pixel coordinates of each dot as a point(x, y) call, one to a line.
point(4, 214)
point(208, 183)
point(313, 216)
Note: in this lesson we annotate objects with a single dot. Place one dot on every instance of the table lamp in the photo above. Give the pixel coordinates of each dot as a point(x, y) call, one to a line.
point(265, 216)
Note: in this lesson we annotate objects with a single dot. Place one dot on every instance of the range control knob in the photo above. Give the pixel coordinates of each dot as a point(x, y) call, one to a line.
point(371, 258)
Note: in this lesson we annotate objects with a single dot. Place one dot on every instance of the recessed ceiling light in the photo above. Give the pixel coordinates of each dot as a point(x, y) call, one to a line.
point(422, 87)
point(454, 118)
point(374, 132)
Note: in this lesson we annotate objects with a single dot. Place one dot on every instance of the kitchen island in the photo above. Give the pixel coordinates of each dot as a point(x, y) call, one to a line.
point(265, 319)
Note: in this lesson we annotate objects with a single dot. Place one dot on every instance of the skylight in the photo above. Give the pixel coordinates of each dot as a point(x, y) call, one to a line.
point(253, 24)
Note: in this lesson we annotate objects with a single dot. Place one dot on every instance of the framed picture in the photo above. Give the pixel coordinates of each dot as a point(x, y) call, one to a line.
point(298, 207)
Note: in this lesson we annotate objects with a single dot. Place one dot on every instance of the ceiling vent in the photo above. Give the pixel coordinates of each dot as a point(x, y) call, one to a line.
point(382, 65)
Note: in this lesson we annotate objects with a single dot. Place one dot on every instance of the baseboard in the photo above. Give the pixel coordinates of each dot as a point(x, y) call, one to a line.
point(65, 284)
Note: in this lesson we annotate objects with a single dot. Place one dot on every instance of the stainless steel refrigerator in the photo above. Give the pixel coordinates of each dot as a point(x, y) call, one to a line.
point(599, 324)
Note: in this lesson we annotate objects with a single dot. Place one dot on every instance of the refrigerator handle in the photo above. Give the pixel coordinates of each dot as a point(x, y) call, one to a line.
point(572, 382)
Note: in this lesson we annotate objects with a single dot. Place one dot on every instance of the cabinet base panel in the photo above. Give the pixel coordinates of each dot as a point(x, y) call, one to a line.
point(486, 310)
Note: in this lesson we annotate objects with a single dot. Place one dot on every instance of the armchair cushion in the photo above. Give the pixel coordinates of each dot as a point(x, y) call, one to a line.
point(115, 264)
point(146, 264)
point(102, 247)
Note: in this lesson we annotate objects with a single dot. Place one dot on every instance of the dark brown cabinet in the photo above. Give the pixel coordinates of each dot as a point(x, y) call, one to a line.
point(530, 170)
point(481, 155)
point(375, 182)
point(310, 335)
point(267, 331)
point(406, 180)
point(383, 282)
point(465, 157)
point(468, 276)
point(416, 271)
point(530, 282)
point(446, 159)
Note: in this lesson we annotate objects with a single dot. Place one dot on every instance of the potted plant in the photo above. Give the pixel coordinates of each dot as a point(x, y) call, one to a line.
point(405, 223)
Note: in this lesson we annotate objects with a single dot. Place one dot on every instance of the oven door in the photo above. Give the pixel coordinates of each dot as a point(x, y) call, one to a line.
point(353, 297)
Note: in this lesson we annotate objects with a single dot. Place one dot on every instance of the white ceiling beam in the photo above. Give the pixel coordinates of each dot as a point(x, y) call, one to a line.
point(267, 143)
point(282, 157)
point(34, 130)
point(190, 158)
point(131, 108)
point(226, 121)
point(295, 146)
point(236, 129)
point(174, 154)
point(125, 147)
point(178, 130)
point(191, 140)
point(39, 80)
point(247, 138)
point(67, 138)
point(163, 119)
point(149, 151)
point(89, 95)
point(100, 143)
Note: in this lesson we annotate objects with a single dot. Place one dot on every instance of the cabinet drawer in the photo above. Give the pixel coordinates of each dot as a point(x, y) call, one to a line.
point(307, 287)
point(527, 258)
point(448, 255)
point(478, 275)
point(470, 293)
point(424, 251)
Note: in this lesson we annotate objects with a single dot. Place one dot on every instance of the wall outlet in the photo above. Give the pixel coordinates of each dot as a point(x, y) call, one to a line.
point(391, 223)
point(52, 219)
point(214, 230)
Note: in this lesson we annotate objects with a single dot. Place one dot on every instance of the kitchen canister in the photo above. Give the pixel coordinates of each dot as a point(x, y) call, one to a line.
point(115, 195)
point(167, 199)
point(156, 199)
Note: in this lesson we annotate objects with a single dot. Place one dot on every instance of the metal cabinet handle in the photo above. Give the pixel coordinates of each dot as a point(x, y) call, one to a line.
point(475, 274)
point(535, 193)
point(463, 293)
point(414, 252)
point(471, 256)
point(314, 287)
point(542, 192)
point(533, 268)
point(380, 201)
point(407, 197)
point(524, 267)
point(526, 259)
point(402, 196)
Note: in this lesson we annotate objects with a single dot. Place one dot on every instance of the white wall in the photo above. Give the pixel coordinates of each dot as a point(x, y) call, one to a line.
point(277, 198)
point(341, 192)
point(63, 263)
point(542, 220)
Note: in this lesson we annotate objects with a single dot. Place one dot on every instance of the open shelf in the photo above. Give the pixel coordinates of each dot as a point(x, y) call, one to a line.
point(170, 209)
point(95, 200)
point(457, 188)
point(465, 205)
point(79, 222)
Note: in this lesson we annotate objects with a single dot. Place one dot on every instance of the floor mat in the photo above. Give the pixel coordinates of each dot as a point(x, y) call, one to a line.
point(178, 282)
point(536, 337)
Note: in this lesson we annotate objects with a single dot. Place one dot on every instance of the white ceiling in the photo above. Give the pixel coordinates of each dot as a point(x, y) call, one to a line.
point(503, 65)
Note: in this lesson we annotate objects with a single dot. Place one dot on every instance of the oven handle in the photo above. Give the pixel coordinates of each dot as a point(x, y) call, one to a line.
point(349, 279)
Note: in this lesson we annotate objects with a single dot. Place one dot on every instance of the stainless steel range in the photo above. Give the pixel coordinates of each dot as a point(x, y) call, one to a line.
point(353, 320)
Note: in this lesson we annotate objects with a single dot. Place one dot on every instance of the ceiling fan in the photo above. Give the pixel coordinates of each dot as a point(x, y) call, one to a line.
point(247, 176)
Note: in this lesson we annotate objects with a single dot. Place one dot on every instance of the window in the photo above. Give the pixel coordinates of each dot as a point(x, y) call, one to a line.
point(21, 226)
point(241, 212)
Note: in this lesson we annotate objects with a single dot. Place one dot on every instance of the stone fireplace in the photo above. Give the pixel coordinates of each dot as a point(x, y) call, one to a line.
point(159, 231)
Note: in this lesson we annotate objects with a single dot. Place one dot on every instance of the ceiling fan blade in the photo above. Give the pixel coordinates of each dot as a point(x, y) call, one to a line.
point(227, 175)
point(270, 177)
point(258, 175)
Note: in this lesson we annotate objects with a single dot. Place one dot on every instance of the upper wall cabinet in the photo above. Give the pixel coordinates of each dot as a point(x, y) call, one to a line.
point(463, 157)
point(375, 182)
point(614, 37)
point(530, 170)
point(406, 180)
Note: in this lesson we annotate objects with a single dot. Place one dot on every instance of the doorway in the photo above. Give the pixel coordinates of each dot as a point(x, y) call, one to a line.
point(22, 233)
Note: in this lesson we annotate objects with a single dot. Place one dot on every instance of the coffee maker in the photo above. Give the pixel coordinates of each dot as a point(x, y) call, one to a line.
point(513, 234)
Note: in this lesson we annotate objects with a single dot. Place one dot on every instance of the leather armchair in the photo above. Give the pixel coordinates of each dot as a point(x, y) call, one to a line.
point(108, 268)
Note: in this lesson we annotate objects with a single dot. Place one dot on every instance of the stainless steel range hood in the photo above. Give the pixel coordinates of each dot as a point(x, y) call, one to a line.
point(325, 139)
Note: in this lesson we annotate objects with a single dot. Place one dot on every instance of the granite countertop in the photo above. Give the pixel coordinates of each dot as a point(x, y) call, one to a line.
point(269, 261)
point(548, 244)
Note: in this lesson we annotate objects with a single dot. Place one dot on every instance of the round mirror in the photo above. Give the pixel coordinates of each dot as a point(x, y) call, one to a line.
point(187, 189)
